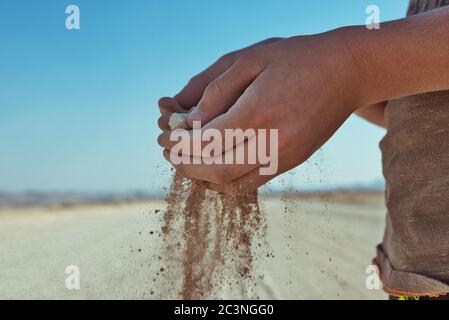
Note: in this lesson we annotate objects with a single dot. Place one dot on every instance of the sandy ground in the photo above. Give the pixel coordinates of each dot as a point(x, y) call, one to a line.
point(322, 247)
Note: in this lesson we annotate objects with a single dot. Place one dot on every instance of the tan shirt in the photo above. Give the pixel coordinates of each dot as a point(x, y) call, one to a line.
point(414, 255)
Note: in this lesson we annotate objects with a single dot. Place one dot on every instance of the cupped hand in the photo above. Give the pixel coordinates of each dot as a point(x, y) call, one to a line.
point(305, 87)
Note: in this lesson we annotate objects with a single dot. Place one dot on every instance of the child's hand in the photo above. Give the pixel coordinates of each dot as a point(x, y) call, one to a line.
point(305, 87)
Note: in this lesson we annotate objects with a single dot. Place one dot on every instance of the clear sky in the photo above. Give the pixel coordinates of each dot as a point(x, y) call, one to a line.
point(78, 108)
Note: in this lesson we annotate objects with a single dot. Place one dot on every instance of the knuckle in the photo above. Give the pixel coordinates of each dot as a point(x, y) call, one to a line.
point(228, 58)
point(251, 57)
point(196, 81)
point(214, 91)
point(248, 56)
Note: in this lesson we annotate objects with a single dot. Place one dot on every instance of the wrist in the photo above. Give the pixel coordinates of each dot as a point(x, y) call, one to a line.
point(352, 45)
point(345, 45)
point(402, 58)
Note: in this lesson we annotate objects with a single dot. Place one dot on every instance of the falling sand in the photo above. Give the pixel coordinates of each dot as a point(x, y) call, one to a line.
point(209, 239)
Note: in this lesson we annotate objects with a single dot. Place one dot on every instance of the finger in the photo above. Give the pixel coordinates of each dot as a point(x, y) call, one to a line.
point(224, 91)
point(169, 105)
point(194, 145)
point(192, 142)
point(200, 171)
point(254, 179)
point(163, 121)
point(220, 169)
point(191, 94)
point(243, 116)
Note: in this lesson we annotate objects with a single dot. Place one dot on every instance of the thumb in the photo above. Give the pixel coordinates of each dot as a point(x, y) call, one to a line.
point(224, 91)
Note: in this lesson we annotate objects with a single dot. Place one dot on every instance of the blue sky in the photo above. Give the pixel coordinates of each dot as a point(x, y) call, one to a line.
point(78, 108)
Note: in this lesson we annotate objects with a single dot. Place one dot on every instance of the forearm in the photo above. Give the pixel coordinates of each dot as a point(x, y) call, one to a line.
point(405, 57)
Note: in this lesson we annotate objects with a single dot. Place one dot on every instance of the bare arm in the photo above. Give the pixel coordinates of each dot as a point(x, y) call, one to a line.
point(307, 86)
point(405, 57)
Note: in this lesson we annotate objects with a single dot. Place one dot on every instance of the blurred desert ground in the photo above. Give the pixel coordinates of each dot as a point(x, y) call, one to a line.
point(322, 245)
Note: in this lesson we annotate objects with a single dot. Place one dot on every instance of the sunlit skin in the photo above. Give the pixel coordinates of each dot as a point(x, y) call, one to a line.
point(307, 86)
